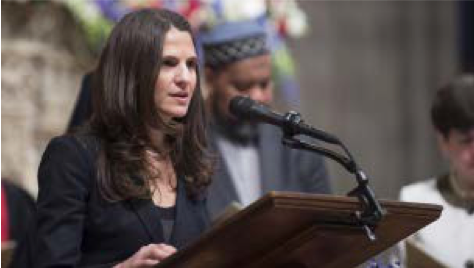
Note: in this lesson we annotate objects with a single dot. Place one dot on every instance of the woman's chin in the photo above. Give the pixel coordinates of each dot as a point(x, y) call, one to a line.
point(176, 113)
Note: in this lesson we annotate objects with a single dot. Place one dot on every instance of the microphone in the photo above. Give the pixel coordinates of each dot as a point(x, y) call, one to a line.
point(246, 108)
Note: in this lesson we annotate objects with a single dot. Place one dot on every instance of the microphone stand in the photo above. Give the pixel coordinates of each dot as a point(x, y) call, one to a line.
point(372, 212)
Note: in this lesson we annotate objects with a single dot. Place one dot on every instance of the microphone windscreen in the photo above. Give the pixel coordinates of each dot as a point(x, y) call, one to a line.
point(240, 106)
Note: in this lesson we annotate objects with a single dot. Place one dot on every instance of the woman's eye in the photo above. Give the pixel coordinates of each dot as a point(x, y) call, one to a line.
point(170, 62)
point(191, 64)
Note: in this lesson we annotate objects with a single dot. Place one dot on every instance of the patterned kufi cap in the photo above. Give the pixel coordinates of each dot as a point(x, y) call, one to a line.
point(233, 41)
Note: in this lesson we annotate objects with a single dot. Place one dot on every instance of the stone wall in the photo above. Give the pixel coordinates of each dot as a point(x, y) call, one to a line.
point(44, 56)
point(368, 72)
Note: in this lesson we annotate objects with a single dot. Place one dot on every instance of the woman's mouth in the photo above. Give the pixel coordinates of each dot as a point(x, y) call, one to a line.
point(182, 96)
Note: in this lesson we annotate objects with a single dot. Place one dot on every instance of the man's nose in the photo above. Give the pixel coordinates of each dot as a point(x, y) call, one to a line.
point(260, 94)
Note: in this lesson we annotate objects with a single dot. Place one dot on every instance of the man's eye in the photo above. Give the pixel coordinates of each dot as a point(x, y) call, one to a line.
point(265, 84)
point(241, 87)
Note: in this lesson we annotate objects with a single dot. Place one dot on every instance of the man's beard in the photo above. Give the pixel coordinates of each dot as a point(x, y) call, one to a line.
point(236, 130)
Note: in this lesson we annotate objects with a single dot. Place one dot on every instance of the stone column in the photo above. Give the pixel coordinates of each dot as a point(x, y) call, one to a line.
point(44, 56)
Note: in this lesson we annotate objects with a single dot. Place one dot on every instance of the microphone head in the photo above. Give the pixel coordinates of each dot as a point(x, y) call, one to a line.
point(241, 106)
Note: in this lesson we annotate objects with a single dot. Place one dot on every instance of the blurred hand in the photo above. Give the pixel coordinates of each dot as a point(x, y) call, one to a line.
point(148, 256)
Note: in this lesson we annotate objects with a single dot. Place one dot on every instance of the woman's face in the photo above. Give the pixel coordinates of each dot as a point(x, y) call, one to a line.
point(176, 81)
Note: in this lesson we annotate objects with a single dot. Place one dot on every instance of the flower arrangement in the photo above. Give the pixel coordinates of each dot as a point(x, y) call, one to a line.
point(282, 18)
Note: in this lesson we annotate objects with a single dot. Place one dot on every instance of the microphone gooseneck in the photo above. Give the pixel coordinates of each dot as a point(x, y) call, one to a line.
point(246, 108)
point(292, 125)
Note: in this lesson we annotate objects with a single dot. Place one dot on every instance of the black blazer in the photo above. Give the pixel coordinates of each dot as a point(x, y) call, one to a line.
point(76, 227)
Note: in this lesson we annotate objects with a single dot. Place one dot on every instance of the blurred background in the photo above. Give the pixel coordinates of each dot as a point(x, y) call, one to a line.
point(363, 70)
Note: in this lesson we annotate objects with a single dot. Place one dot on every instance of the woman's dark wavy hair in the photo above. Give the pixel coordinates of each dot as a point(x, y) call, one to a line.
point(124, 111)
point(453, 106)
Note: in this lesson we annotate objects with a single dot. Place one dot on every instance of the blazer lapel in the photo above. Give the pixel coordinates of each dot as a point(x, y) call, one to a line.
point(222, 190)
point(149, 218)
point(185, 226)
point(269, 150)
point(223, 184)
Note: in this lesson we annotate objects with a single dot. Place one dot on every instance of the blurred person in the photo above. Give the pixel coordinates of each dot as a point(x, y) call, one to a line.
point(18, 208)
point(128, 188)
point(252, 159)
point(450, 239)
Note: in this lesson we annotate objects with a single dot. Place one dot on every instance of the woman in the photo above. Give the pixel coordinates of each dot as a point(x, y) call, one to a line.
point(127, 190)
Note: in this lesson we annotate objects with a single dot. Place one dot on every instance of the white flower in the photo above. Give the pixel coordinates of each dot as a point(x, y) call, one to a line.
point(297, 23)
point(288, 11)
point(235, 10)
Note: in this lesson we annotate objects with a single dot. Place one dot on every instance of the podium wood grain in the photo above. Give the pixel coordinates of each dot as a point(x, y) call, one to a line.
point(284, 229)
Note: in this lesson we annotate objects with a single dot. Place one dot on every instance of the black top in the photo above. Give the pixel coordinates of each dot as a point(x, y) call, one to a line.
point(167, 220)
point(76, 227)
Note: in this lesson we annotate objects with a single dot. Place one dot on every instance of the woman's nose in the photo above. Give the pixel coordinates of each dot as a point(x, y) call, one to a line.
point(184, 75)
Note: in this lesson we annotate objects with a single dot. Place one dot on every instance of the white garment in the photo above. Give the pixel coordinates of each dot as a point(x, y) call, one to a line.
point(244, 167)
point(450, 239)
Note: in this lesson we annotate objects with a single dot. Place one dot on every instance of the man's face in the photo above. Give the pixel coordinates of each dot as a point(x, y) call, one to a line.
point(250, 77)
point(458, 147)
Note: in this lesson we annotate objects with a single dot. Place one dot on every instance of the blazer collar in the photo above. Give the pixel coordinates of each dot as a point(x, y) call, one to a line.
point(270, 153)
point(149, 218)
point(222, 184)
point(183, 227)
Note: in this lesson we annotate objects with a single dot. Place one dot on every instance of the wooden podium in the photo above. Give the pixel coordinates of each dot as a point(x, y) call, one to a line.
point(296, 230)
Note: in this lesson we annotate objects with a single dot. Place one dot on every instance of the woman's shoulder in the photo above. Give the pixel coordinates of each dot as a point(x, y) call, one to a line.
point(67, 144)
point(69, 160)
point(85, 141)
